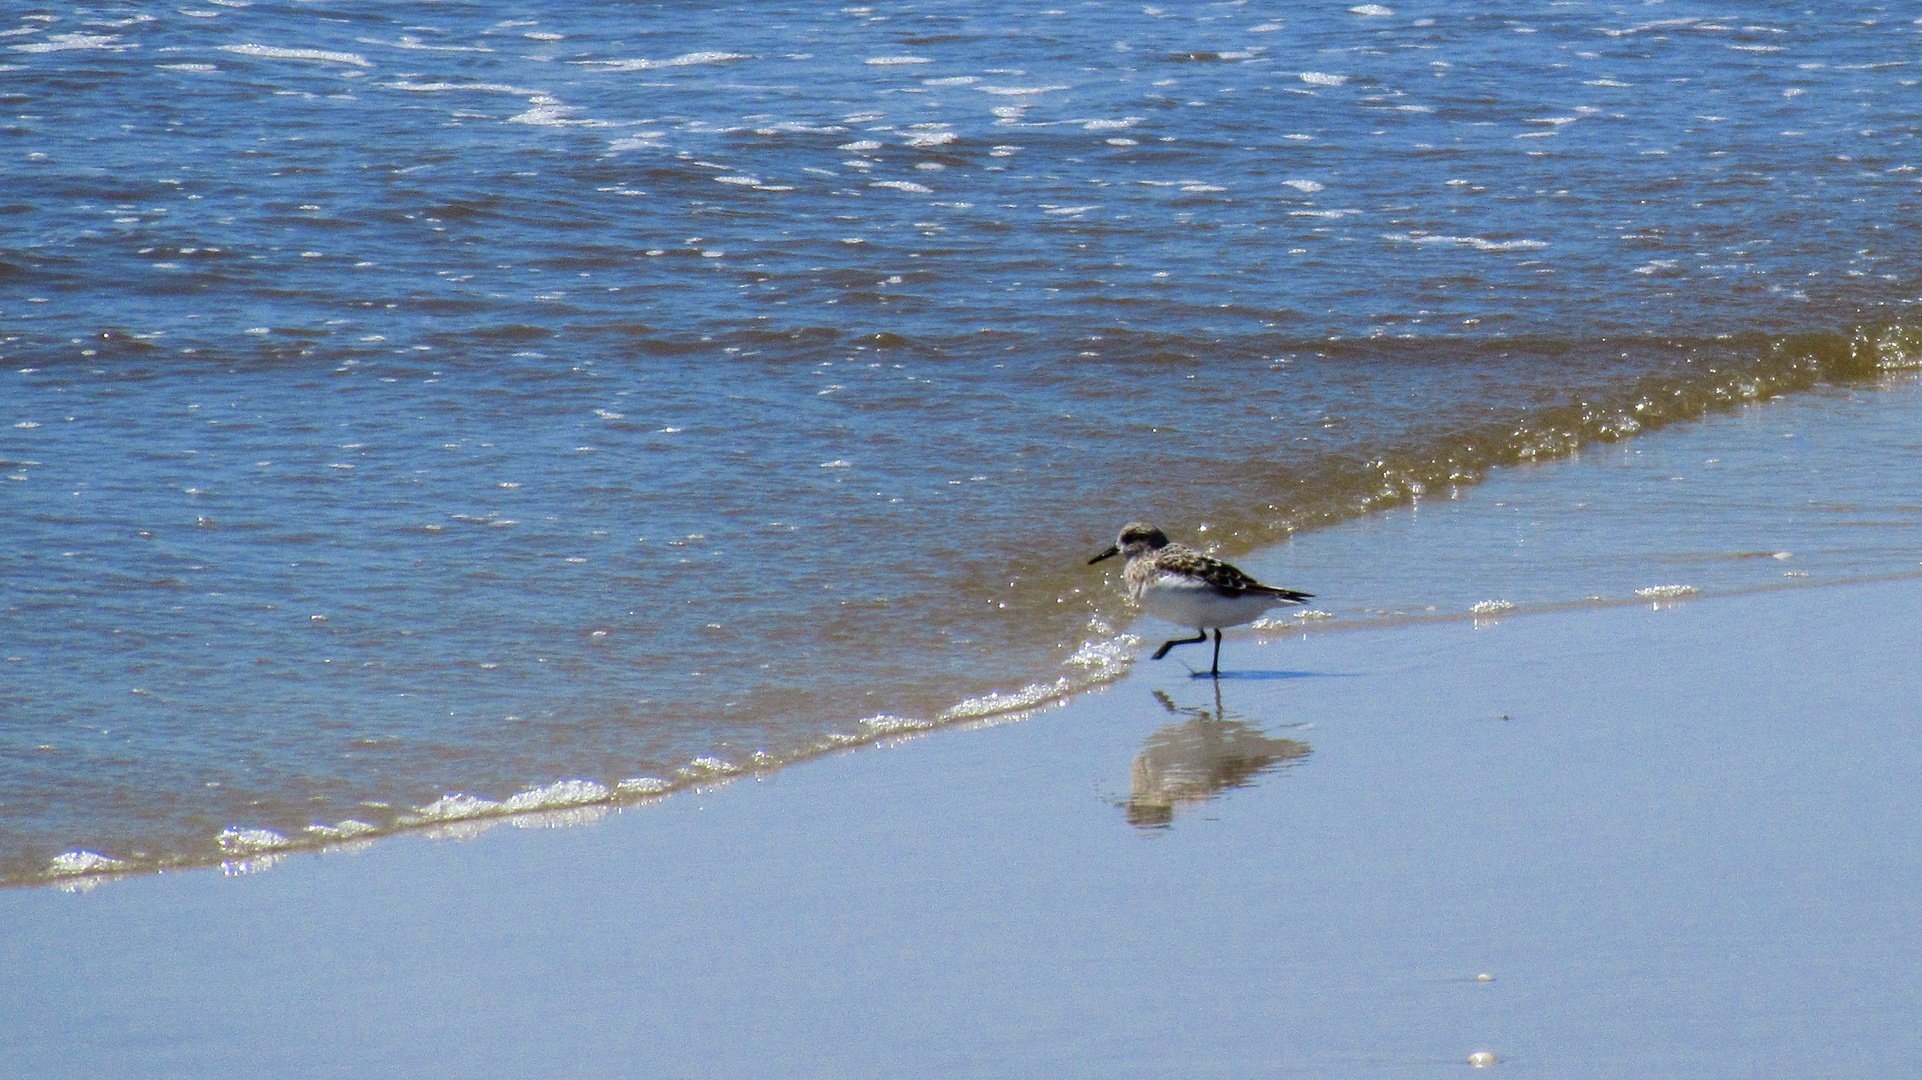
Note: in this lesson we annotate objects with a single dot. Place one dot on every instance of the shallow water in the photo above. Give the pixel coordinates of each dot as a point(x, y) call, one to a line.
point(474, 399)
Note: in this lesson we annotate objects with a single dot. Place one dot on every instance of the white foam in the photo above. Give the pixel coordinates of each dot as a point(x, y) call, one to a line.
point(66, 42)
point(343, 830)
point(1322, 78)
point(557, 794)
point(953, 80)
point(1491, 607)
point(903, 185)
point(795, 127)
point(1476, 242)
point(83, 862)
point(453, 807)
point(1664, 592)
point(1111, 125)
point(235, 839)
point(644, 785)
point(1372, 9)
point(895, 61)
point(491, 88)
point(884, 724)
point(1105, 658)
point(1308, 186)
point(998, 702)
point(683, 60)
point(931, 138)
point(553, 116)
point(1266, 28)
point(276, 52)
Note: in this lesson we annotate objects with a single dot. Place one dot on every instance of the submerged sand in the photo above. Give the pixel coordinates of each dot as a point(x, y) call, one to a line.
point(1679, 838)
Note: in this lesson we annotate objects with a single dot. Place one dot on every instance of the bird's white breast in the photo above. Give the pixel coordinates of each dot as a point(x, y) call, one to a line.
point(1190, 602)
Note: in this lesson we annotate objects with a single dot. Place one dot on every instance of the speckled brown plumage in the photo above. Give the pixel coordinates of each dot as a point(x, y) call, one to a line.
point(1178, 559)
point(1188, 588)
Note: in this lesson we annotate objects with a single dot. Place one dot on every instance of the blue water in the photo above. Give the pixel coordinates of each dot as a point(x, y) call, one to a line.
point(467, 399)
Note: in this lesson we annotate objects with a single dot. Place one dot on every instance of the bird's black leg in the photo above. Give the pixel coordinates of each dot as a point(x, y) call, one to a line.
point(1215, 669)
point(1200, 636)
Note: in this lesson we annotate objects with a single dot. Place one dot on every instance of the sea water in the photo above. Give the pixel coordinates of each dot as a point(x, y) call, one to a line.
point(413, 413)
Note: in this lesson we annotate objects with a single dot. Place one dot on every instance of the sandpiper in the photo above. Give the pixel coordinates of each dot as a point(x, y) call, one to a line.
point(1184, 586)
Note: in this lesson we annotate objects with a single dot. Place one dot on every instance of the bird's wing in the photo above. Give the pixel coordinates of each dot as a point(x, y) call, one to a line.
point(1227, 579)
point(1290, 595)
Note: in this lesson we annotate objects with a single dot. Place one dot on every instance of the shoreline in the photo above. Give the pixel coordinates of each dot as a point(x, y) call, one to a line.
point(1355, 567)
point(1098, 660)
point(1661, 832)
point(620, 799)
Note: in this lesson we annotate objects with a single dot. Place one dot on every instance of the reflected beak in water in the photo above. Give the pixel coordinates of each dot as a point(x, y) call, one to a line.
point(1108, 554)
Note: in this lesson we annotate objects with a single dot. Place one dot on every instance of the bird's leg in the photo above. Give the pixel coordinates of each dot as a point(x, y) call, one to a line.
point(1200, 636)
point(1215, 669)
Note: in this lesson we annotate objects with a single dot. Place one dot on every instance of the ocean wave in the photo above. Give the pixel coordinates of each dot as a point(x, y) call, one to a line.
point(684, 60)
point(278, 52)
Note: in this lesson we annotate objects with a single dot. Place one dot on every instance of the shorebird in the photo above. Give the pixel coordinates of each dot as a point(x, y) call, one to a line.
point(1186, 587)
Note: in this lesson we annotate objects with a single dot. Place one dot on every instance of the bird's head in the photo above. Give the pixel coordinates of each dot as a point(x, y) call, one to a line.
point(1136, 537)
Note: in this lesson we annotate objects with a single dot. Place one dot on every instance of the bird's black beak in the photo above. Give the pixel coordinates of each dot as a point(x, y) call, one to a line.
point(1108, 554)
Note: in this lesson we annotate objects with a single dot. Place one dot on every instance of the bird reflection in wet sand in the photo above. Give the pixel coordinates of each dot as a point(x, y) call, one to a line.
point(1196, 759)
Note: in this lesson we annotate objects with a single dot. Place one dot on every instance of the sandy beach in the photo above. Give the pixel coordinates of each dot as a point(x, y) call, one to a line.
point(1678, 840)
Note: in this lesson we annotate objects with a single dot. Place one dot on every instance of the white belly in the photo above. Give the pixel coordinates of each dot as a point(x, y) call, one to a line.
point(1187, 602)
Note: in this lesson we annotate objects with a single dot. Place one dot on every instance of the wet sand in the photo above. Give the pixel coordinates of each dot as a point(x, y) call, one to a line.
point(1681, 843)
